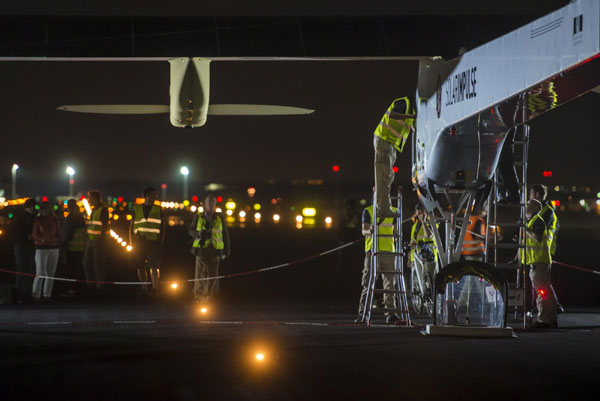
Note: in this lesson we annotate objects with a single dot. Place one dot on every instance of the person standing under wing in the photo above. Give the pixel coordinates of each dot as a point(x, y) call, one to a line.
point(211, 244)
point(147, 236)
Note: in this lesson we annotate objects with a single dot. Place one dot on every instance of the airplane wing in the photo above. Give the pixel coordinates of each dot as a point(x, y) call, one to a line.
point(116, 108)
point(254, 110)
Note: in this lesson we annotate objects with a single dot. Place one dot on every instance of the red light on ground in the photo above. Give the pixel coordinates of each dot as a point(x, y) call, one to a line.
point(273, 201)
point(194, 198)
point(219, 199)
point(335, 168)
point(163, 186)
point(395, 169)
point(120, 199)
point(71, 181)
point(44, 199)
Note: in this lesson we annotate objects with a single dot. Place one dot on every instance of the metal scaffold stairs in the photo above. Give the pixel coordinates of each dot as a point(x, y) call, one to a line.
point(399, 291)
point(499, 253)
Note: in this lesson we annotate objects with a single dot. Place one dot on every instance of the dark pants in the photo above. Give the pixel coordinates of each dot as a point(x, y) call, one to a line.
point(73, 267)
point(93, 261)
point(506, 167)
point(25, 261)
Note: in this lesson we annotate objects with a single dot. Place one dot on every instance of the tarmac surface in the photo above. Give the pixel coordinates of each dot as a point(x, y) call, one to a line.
point(165, 349)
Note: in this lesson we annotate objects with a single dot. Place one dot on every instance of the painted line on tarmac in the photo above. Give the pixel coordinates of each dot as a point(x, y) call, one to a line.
point(48, 323)
point(134, 321)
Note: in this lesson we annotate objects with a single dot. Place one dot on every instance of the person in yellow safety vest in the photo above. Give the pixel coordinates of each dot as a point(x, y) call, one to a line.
point(146, 236)
point(390, 136)
point(95, 249)
point(422, 243)
point(548, 213)
point(536, 254)
point(385, 262)
point(73, 237)
point(211, 243)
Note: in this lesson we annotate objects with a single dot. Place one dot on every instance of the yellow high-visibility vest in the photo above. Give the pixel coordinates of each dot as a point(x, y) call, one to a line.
point(94, 227)
point(419, 236)
point(536, 251)
point(148, 228)
point(391, 130)
point(216, 237)
point(386, 227)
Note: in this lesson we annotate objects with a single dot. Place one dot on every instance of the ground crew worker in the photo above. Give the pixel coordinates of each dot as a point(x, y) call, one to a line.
point(537, 255)
point(385, 263)
point(73, 237)
point(548, 213)
point(146, 236)
point(473, 249)
point(211, 243)
point(422, 243)
point(390, 136)
point(95, 248)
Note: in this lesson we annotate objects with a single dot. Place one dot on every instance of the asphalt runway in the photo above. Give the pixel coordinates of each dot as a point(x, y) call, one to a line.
point(166, 350)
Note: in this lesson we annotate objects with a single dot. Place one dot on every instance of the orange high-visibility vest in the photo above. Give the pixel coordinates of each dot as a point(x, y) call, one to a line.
point(474, 244)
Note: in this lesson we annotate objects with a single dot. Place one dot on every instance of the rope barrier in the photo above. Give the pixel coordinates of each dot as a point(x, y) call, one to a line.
point(246, 273)
point(576, 267)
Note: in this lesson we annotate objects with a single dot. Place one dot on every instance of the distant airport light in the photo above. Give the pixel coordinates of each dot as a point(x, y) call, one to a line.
point(186, 203)
point(242, 214)
point(256, 206)
point(335, 168)
point(219, 199)
point(70, 171)
point(257, 216)
point(163, 186)
point(219, 210)
point(299, 219)
point(203, 310)
point(174, 286)
point(547, 173)
point(120, 199)
point(44, 199)
point(328, 220)
point(15, 167)
point(309, 212)
point(184, 170)
point(229, 212)
point(273, 201)
point(276, 218)
point(230, 205)
point(194, 198)
point(129, 217)
point(194, 209)
point(251, 191)
point(129, 248)
point(260, 357)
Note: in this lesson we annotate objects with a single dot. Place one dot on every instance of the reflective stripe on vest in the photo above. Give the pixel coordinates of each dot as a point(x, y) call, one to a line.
point(535, 251)
point(386, 227)
point(216, 237)
point(148, 228)
point(391, 130)
point(94, 227)
point(552, 226)
point(473, 245)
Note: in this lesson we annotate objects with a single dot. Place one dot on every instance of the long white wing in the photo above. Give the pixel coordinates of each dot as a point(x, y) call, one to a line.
point(254, 110)
point(116, 108)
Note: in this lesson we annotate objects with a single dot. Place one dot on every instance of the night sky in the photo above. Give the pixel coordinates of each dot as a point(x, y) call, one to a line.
point(349, 98)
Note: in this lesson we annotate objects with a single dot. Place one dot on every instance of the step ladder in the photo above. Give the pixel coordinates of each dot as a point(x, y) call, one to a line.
point(399, 291)
point(518, 291)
